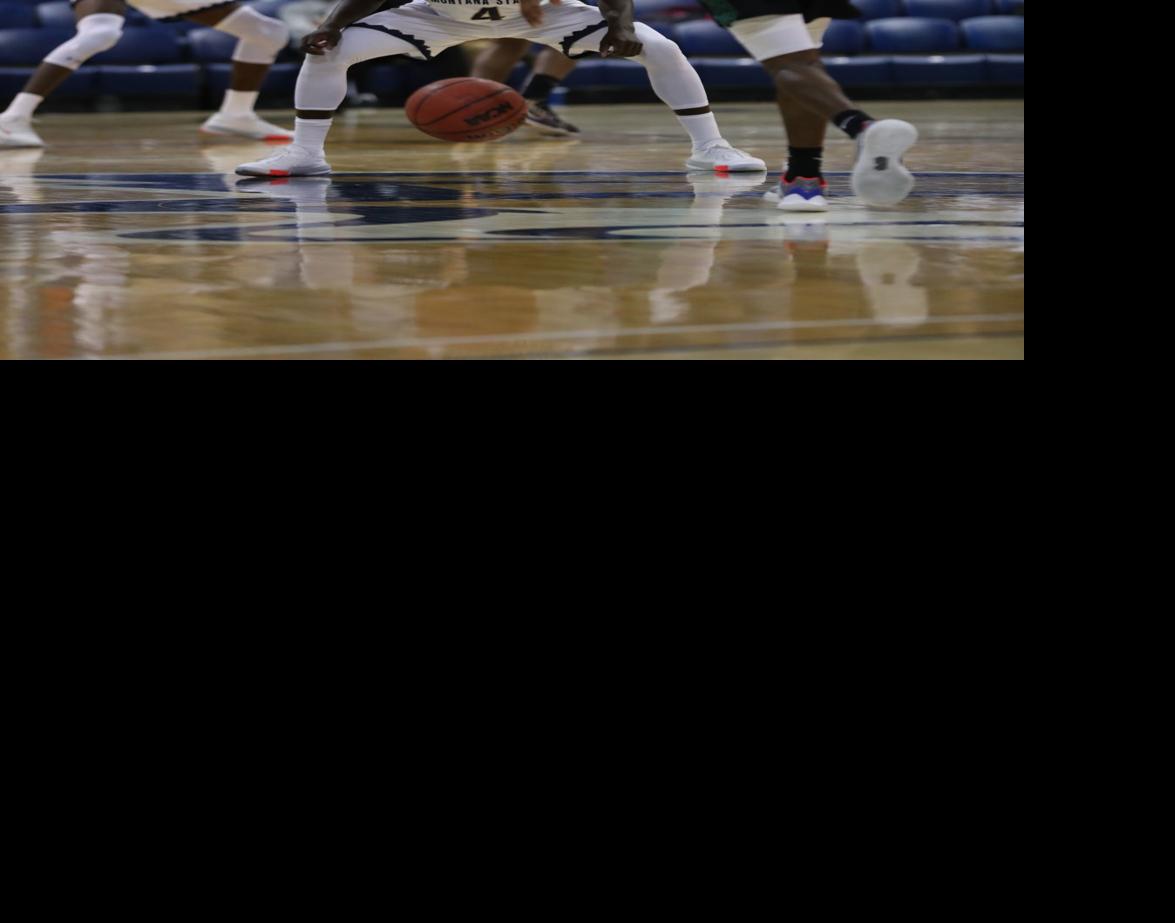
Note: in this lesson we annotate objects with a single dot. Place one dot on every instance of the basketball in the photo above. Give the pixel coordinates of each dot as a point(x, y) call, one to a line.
point(466, 109)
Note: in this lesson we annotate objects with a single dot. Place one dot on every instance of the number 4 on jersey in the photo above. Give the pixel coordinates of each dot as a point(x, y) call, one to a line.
point(488, 13)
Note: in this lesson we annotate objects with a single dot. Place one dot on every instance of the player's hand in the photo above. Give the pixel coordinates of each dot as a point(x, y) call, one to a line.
point(532, 12)
point(321, 40)
point(620, 42)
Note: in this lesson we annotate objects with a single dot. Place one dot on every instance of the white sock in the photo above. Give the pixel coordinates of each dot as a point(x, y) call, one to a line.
point(238, 102)
point(702, 128)
point(23, 106)
point(311, 134)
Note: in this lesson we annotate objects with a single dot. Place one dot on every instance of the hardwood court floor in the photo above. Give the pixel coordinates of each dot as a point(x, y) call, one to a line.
point(128, 237)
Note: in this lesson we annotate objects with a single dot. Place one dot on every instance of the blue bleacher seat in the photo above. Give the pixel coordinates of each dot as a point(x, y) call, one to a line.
point(157, 45)
point(732, 72)
point(1008, 6)
point(861, 71)
point(57, 15)
point(909, 35)
point(878, 9)
point(664, 27)
point(948, 9)
point(28, 46)
point(939, 70)
point(706, 37)
point(1004, 34)
point(209, 45)
point(647, 10)
point(589, 72)
point(621, 72)
point(81, 83)
point(17, 16)
point(386, 79)
point(1005, 69)
point(278, 82)
point(170, 80)
point(844, 36)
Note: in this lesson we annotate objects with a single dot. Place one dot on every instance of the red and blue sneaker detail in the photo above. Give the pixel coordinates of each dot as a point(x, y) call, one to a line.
point(800, 194)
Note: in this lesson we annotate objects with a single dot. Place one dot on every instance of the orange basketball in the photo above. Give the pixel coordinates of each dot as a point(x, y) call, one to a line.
point(466, 109)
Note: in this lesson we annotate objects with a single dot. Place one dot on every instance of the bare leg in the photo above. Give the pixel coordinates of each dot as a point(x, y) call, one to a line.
point(497, 60)
point(801, 78)
point(48, 77)
point(246, 78)
point(552, 63)
point(809, 98)
point(260, 39)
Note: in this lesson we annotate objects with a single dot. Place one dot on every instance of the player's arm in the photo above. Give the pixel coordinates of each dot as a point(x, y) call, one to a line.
point(620, 41)
point(330, 33)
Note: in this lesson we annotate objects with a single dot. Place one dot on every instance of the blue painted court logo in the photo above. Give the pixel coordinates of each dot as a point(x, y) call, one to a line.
point(500, 207)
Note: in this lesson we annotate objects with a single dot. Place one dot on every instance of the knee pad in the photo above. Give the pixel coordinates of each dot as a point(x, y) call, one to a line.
point(261, 37)
point(96, 33)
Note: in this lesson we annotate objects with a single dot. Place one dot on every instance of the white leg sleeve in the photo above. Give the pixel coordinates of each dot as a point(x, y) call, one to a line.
point(322, 82)
point(96, 33)
point(261, 37)
point(673, 78)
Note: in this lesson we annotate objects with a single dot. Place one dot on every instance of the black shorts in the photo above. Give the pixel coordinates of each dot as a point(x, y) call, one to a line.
point(728, 11)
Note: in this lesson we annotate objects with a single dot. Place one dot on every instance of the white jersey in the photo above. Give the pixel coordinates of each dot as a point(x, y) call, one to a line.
point(487, 11)
point(573, 27)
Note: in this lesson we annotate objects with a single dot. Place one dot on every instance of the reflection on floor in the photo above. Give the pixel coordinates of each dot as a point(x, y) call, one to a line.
point(145, 244)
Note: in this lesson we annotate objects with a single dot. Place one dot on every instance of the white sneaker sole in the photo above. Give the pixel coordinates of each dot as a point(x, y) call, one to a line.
point(879, 176)
point(748, 166)
point(795, 203)
point(312, 170)
point(547, 131)
point(19, 141)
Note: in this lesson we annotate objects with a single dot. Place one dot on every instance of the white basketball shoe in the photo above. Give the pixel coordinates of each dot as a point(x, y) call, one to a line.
point(249, 125)
point(293, 161)
point(879, 176)
point(722, 158)
point(18, 133)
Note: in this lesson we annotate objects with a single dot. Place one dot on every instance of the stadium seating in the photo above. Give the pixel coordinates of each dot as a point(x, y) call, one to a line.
point(17, 16)
point(947, 9)
point(879, 9)
point(897, 43)
point(917, 36)
point(844, 36)
point(1003, 34)
point(706, 37)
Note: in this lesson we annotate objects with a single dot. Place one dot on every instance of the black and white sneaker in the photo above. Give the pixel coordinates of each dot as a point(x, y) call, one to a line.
point(879, 176)
point(540, 118)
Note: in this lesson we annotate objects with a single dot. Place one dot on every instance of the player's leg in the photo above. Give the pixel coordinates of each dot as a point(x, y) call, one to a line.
point(321, 89)
point(802, 186)
point(497, 60)
point(550, 69)
point(498, 57)
point(99, 27)
point(577, 30)
point(792, 56)
point(261, 39)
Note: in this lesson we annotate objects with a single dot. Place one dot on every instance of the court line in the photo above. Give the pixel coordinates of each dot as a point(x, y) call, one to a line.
point(306, 349)
point(97, 177)
point(605, 353)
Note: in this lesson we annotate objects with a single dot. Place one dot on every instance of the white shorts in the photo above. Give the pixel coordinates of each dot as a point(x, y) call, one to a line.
point(573, 27)
point(166, 9)
point(771, 36)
